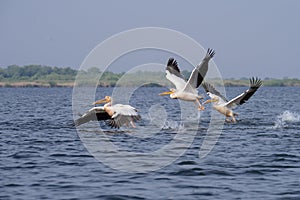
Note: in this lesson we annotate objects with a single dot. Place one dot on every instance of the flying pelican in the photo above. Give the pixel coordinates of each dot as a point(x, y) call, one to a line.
point(222, 105)
point(116, 115)
point(187, 90)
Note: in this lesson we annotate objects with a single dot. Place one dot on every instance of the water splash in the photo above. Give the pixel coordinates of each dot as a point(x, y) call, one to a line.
point(170, 124)
point(286, 118)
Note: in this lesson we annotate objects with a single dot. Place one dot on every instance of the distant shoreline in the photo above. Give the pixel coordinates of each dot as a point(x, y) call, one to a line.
point(33, 84)
point(46, 76)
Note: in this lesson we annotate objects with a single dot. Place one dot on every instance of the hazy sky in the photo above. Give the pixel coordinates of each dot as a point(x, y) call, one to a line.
point(254, 37)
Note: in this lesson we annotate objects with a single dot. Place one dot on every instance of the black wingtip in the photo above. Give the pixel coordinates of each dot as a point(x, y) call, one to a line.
point(210, 52)
point(136, 118)
point(112, 124)
point(172, 66)
point(255, 82)
point(172, 62)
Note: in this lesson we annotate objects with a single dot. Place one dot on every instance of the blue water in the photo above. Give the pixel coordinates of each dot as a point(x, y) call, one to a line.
point(42, 156)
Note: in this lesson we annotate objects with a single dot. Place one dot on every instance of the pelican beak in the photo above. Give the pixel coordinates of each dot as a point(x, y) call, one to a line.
point(210, 101)
point(166, 93)
point(207, 101)
point(200, 97)
point(100, 101)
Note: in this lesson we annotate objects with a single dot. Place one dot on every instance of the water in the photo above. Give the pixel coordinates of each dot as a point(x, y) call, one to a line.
point(42, 156)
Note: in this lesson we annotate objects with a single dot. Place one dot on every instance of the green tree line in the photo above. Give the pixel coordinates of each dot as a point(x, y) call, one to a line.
point(36, 72)
point(55, 76)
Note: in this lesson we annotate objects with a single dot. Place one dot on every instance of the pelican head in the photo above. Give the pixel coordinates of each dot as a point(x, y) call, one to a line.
point(171, 93)
point(107, 99)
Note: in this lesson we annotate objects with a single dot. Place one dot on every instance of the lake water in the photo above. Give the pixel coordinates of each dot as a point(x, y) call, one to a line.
point(42, 156)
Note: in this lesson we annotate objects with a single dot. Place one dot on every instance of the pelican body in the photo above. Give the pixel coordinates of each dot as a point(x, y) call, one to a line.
point(187, 90)
point(222, 105)
point(115, 115)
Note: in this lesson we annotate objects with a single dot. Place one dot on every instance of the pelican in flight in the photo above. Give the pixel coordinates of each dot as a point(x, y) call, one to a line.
point(116, 115)
point(222, 105)
point(187, 90)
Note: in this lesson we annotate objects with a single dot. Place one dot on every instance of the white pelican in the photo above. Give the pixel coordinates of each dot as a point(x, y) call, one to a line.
point(116, 115)
point(224, 106)
point(187, 90)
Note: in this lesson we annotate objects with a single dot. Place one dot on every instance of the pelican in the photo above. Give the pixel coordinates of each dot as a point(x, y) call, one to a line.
point(187, 90)
point(222, 105)
point(116, 115)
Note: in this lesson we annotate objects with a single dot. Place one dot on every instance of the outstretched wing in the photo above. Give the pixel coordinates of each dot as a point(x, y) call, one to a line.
point(200, 71)
point(173, 74)
point(123, 114)
point(210, 89)
point(94, 114)
point(255, 83)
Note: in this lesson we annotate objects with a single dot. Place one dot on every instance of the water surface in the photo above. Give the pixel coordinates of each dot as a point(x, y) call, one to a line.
point(42, 156)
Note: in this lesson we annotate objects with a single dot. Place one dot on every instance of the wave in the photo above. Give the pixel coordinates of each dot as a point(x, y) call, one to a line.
point(284, 119)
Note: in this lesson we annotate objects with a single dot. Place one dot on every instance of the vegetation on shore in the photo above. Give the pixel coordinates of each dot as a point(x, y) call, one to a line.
point(46, 76)
point(36, 75)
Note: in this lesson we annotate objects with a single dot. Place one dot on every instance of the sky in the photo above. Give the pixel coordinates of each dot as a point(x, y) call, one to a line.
point(251, 38)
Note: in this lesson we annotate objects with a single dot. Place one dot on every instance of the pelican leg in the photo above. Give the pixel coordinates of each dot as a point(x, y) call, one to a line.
point(233, 120)
point(132, 124)
point(232, 114)
point(199, 106)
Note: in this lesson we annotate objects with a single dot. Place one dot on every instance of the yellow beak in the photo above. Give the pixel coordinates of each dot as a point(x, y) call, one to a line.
point(210, 101)
point(166, 93)
point(100, 101)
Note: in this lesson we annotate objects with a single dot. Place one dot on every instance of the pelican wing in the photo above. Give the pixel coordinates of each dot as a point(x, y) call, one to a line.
point(94, 114)
point(173, 74)
point(199, 72)
point(123, 114)
point(210, 89)
point(255, 83)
